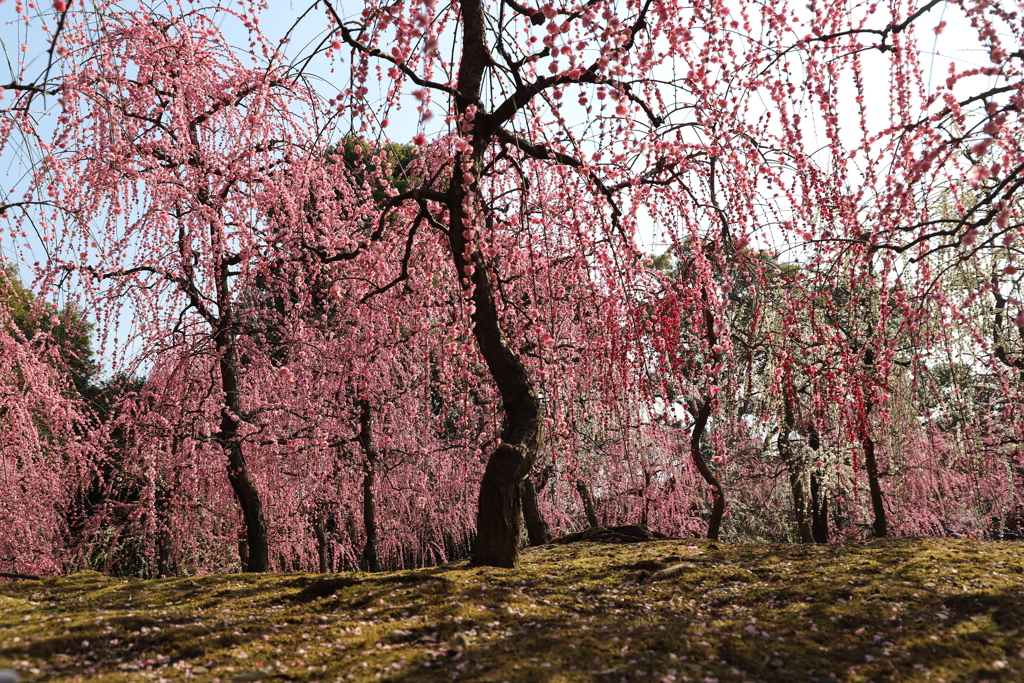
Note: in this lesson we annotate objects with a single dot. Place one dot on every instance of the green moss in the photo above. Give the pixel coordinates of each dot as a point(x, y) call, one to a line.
point(908, 610)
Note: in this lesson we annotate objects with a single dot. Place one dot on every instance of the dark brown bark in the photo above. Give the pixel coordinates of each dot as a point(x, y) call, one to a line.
point(700, 423)
point(819, 511)
point(499, 507)
point(880, 525)
point(796, 479)
point(819, 504)
point(371, 560)
point(257, 556)
point(717, 495)
point(588, 504)
point(323, 547)
point(243, 548)
point(537, 530)
point(645, 515)
point(163, 536)
point(796, 488)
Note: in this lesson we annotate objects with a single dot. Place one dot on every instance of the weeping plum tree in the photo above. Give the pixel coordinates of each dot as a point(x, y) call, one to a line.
point(46, 461)
point(520, 89)
point(178, 174)
point(330, 503)
point(691, 346)
point(185, 162)
point(505, 102)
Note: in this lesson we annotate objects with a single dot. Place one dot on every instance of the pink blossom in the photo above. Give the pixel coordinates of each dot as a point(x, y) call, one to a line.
point(981, 147)
point(978, 175)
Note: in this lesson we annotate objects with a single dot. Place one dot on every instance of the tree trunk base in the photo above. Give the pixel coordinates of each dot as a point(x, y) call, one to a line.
point(499, 510)
point(536, 526)
point(626, 533)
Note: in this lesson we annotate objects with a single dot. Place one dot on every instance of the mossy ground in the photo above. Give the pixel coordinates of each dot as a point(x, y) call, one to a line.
point(901, 610)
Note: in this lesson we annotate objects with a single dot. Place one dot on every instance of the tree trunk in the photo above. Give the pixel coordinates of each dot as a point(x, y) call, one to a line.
point(700, 423)
point(164, 544)
point(819, 511)
point(243, 548)
point(796, 487)
point(257, 556)
point(718, 496)
point(323, 548)
point(371, 560)
point(796, 479)
point(257, 545)
point(819, 505)
point(880, 525)
point(500, 503)
point(499, 506)
point(645, 515)
point(536, 526)
point(588, 504)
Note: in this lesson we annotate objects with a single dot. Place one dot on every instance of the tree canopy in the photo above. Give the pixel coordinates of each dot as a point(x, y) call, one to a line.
point(369, 352)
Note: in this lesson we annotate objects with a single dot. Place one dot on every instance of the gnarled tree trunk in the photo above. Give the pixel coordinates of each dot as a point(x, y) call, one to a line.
point(796, 479)
point(500, 503)
point(880, 526)
point(718, 496)
point(819, 504)
point(371, 560)
point(588, 504)
point(256, 557)
point(537, 530)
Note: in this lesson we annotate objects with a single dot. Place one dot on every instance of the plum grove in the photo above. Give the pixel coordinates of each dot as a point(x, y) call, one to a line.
point(355, 352)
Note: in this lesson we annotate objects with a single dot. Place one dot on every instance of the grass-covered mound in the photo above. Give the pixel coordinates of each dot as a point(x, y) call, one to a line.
point(905, 610)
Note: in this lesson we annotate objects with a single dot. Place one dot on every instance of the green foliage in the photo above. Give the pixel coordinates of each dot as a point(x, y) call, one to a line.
point(365, 160)
point(67, 329)
point(662, 262)
point(71, 335)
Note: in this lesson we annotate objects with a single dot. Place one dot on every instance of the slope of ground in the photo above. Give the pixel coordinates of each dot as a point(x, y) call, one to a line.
point(902, 610)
